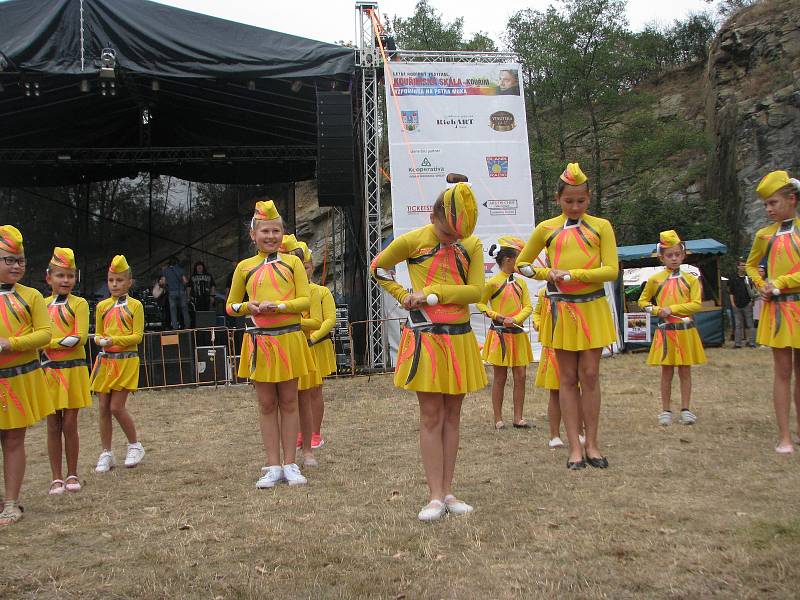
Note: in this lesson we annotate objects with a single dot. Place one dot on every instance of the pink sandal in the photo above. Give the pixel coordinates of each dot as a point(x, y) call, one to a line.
point(59, 489)
point(72, 487)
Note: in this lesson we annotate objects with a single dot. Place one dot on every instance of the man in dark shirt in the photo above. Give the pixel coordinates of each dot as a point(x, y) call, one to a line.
point(176, 285)
point(742, 291)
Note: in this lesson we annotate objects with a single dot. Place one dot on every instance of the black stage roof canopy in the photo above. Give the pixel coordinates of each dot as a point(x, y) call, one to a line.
point(188, 95)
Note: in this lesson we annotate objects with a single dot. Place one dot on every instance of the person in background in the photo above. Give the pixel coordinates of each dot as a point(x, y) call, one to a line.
point(161, 295)
point(742, 292)
point(176, 291)
point(203, 287)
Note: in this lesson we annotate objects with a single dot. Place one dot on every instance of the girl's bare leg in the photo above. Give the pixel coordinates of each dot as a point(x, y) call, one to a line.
point(519, 392)
point(667, 373)
point(267, 394)
point(498, 390)
point(431, 428)
point(782, 359)
point(589, 375)
point(569, 398)
point(290, 419)
point(450, 437)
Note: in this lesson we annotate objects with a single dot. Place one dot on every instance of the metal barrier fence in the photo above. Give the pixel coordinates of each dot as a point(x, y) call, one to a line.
point(210, 356)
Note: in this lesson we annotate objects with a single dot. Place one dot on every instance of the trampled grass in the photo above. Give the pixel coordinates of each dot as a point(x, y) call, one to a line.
point(683, 512)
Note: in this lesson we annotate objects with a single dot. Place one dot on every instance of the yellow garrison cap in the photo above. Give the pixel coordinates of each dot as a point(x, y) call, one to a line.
point(772, 183)
point(63, 258)
point(668, 239)
point(509, 241)
point(11, 239)
point(119, 264)
point(306, 251)
point(573, 175)
point(266, 211)
point(461, 209)
point(289, 243)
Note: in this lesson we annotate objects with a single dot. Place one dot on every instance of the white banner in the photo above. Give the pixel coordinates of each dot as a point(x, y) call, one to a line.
point(460, 118)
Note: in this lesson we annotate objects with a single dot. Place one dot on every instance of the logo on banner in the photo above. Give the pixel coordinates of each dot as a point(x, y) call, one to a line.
point(419, 208)
point(502, 120)
point(497, 166)
point(426, 169)
point(409, 120)
point(456, 121)
point(501, 207)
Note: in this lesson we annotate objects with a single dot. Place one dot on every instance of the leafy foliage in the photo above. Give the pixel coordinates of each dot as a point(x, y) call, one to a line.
point(427, 30)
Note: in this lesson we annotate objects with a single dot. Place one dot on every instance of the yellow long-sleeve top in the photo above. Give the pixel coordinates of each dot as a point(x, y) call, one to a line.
point(327, 313)
point(69, 318)
point(122, 320)
point(536, 316)
point(311, 319)
point(453, 272)
point(680, 292)
point(277, 278)
point(504, 296)
point(586, 248)
point(24, 322)
point(782, 251)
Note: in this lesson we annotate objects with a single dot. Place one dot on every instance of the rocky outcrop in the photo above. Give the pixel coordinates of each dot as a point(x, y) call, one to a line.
point(752, 90)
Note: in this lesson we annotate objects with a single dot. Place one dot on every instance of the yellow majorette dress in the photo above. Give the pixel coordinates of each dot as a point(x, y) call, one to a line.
point(23, 321)
point(65, 367)
point(675, 342)
point(547, 372)
point(116, 367)
point(579, 317)
point(506, 295)
point(779, 243)
point(274, 347)
point(318, 332)
point(438, 351)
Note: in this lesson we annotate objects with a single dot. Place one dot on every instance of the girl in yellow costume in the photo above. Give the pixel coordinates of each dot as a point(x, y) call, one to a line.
point(506, 302)
point(779, 325)
point(582, 252)
point(24, 328)
point(119, 327)
point(317, 324)
point(674, 297)
point(274, 351)
point(65, 368)
point(438, 356)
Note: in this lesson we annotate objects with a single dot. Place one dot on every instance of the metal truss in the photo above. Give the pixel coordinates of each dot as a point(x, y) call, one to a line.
point(368, 61)
point(412, 56)
point(154, 155)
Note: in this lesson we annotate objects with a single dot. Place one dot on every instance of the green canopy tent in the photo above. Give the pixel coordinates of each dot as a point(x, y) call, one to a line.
point(703, 254)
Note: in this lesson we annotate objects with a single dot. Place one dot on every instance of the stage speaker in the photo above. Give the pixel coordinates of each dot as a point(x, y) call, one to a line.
point(168, 372)
point(205, 318)
point(335, 149)
point(212, 364)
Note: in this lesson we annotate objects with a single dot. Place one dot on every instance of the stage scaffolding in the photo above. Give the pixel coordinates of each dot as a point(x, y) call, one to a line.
point(369, 61)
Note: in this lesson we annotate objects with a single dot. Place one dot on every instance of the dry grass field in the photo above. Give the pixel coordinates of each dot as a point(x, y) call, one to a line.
point(683, 512)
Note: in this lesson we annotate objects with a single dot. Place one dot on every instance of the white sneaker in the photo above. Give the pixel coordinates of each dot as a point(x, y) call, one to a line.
point(106, 462)
point(135, 455)
point(456, 506)
point(432, 511)
point(293, 476)
point(555, 443)
point(269, 477)
point(665, 418)
point(688, 417)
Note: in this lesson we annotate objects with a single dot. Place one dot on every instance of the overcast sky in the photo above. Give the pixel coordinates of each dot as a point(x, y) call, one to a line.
point(334, 20)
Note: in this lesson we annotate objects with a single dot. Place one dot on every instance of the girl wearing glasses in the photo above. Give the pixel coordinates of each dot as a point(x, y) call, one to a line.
point(24, 329)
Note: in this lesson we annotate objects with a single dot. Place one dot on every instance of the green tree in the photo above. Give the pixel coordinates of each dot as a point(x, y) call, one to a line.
point(427, 30)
